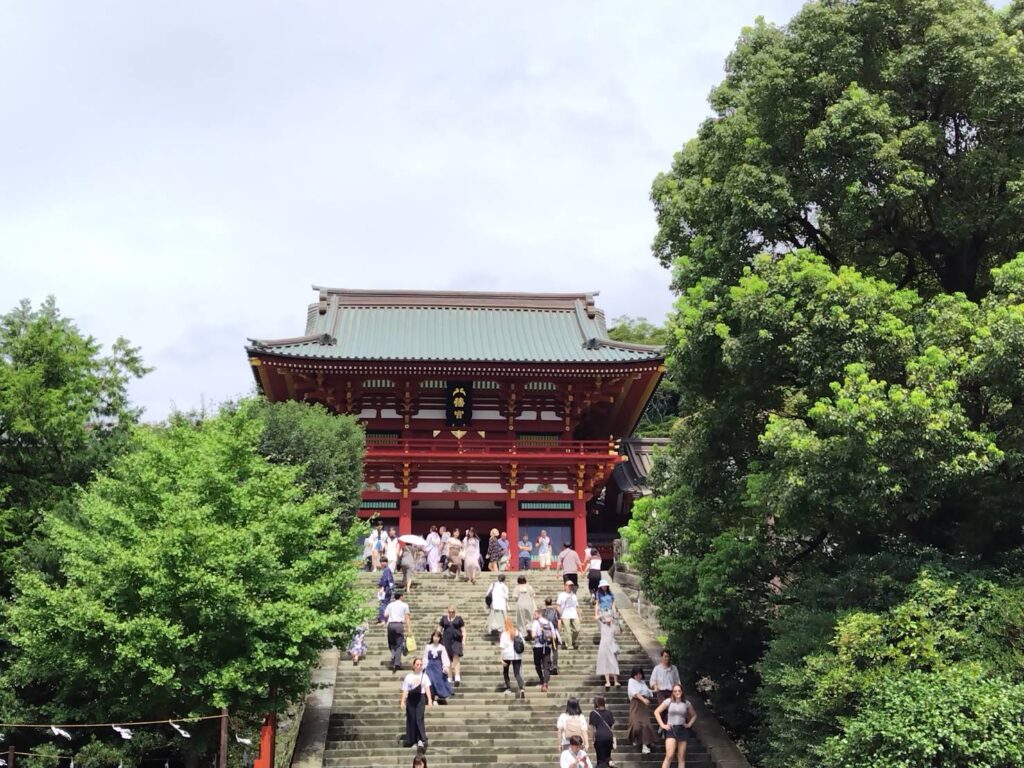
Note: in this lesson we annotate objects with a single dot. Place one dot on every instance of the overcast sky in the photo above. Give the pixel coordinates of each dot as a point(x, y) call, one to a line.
point(181, 173)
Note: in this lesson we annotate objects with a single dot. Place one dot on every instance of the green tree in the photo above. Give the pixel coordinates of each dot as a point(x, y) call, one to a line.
point(660, 414)
point(882, 134)
point(329, 448)
point(194, 574)
point(64, 414)
point(638, 330)
point(836, 432)
point(936, 679)
point(844, 233)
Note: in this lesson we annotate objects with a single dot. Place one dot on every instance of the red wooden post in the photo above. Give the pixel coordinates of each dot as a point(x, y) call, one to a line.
point(404, 515)
point(512, 529)
point(579, 525)
point(268, 743)
point(271, 737)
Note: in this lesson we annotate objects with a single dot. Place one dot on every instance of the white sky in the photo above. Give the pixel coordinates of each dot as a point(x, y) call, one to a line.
point(181, 173)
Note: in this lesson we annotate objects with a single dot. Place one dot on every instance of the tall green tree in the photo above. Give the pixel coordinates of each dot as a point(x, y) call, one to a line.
point(844, 233)
point(660, 414)
point(327, 446)
point(194, 574)
point(64, 414)
point(883, 134)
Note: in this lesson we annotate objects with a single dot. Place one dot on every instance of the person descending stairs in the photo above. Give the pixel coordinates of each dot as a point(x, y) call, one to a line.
point(479, 725)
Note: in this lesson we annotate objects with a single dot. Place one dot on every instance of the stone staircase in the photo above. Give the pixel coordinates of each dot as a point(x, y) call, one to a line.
point(480, 725)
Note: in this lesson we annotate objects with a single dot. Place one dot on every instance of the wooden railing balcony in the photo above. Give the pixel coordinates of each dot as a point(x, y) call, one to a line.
point(383, 447)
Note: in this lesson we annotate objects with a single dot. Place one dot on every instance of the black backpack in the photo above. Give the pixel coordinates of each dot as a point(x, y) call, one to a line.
point(518, 645)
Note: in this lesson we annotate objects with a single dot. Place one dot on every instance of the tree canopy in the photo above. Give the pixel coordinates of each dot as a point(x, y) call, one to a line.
point(64, 414)
point(847, 343)
point(193, 574)
point(662, 409)
point(329, 449)
point(883, 134)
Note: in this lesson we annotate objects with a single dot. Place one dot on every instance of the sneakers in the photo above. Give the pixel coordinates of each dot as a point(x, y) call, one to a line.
point(645, 750)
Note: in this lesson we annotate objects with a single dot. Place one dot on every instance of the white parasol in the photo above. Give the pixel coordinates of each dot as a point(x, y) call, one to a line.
point(411, 538)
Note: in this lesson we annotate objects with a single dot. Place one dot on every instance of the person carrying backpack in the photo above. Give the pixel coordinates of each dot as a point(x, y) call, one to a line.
point(572, 723)
point(550, 612)
point(512, 648)
point(544, 637)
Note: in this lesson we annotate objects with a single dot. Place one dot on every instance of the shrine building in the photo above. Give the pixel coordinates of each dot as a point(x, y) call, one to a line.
point(490, 410)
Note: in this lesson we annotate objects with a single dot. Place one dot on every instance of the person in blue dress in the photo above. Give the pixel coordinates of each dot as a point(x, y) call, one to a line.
point(385, 590)
point(435, 667)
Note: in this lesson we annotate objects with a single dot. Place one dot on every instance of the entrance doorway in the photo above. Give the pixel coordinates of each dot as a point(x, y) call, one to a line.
point(559, 531)
point(482, 517)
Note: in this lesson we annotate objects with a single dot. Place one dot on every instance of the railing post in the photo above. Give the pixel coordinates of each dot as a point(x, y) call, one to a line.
point(223, 761)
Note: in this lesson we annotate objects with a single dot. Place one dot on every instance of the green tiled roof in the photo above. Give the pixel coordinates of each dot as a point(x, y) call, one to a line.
point(436, 326)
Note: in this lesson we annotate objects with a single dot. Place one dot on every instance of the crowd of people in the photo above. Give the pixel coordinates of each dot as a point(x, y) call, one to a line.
point(455, 553)
point(517, 619)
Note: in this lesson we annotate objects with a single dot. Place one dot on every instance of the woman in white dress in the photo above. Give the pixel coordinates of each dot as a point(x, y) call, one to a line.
point(525, 604)
point(391, 549)
point(499, 605)
point(607, 661)
point(433, 550)
point(471, 555)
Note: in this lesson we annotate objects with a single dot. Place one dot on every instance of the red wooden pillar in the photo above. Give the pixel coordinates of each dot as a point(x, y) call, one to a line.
point(268, 734)
point(512, 529)
point(404, 515)
point(579, 525)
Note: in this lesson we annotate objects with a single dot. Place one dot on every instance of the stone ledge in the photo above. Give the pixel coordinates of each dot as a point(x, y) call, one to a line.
point(311, 740)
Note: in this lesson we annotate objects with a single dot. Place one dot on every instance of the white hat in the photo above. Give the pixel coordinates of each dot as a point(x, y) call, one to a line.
point(604, 583)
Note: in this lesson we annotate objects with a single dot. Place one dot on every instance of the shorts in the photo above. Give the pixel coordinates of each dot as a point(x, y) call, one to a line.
point(678, 732)
point(545, 560)
point(573, 577)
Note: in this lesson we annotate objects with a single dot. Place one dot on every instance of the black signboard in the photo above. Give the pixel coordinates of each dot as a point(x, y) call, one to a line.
point(459, 403)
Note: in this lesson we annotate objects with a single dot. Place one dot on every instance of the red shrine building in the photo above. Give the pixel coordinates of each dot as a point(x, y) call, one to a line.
point(490, 410)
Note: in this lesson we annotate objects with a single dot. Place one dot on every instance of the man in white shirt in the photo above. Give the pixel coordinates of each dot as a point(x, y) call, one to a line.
point(568, 607)
point(398, 617)
point(573, 756)
point(663, 677)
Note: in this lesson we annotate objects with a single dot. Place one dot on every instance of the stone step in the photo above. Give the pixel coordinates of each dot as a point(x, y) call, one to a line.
point(512, 757)
point(479, 725)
